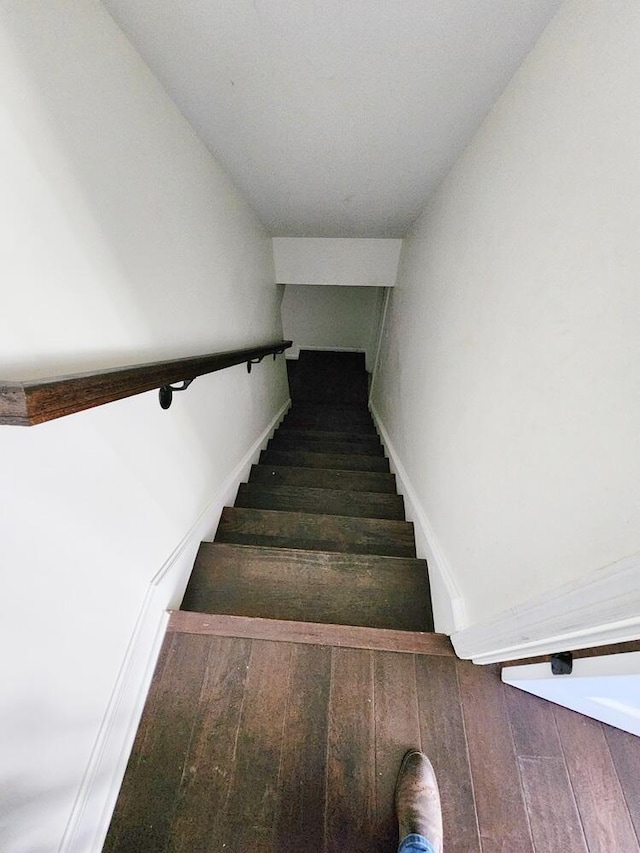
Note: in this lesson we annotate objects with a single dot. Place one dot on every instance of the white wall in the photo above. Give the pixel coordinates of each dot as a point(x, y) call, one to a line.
point(121, 240)
point(325, 317)
point(336, 261)
point(510, 369)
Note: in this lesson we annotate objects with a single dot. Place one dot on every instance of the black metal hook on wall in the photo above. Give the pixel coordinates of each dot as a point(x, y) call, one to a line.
point(253, 361)
point(166, 392)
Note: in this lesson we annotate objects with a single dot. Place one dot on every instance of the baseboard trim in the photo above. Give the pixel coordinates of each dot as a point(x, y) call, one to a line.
point(91, 814)
point(449, 609)
point(598, 609)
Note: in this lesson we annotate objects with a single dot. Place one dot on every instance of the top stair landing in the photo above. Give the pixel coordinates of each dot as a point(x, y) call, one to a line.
point(328, 377)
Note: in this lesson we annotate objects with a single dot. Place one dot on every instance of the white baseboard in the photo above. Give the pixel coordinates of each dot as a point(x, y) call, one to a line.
point(96, 798)
point(597, 609)
point(449, 610)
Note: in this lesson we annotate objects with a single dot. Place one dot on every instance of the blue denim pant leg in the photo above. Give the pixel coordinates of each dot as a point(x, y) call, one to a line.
point(416, 844)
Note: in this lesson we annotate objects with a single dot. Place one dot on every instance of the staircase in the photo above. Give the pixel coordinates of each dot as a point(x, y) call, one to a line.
point(280, 688)
point(318, 533)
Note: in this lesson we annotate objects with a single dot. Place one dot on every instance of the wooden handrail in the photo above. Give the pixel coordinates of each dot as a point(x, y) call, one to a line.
point(38, 400)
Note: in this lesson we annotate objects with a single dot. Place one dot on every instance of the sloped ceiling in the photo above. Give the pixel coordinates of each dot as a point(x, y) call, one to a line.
point(336, 118)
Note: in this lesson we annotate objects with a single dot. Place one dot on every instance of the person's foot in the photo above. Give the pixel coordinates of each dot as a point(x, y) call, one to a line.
point(418, 800)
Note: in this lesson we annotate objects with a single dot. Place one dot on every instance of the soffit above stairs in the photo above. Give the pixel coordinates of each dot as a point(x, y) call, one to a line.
point(336, 118)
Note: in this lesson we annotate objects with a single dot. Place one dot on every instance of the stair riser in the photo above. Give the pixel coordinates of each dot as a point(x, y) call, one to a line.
point(324, 501)
point(325, 460)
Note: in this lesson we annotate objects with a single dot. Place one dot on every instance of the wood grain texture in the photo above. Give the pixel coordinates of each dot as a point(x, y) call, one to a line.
point(339, 461)
point(444, 740)
point(333, 408)
point(310, 586)
point(355, 410)
point(533, 724)
point(351, 757)
point(357, 481)
point(502, 816)
point(35, 401)
point(308, 531)
point(330, 423)
point(303, 769)
point(209, 767)
point(603, 811)
point(273, 734)
point(397, 731)
point(274, 746)
point(625, 753)
point(249, 821)
point(341, 636)
point(328, 409)
point(544, 774)
point(355, 437)
point(149, 794)
point(283, 441)
point(325, 501)
point(555, 823)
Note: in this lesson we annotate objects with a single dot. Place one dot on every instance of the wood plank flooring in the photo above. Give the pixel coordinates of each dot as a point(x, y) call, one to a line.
point(267, 746)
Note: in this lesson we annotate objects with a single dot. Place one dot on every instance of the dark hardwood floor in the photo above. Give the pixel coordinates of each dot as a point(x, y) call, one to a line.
point(262, 745)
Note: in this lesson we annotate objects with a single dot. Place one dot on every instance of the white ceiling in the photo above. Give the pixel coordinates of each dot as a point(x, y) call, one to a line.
point(336, 118)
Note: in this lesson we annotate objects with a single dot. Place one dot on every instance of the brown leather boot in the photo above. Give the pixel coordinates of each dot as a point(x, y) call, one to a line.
point(418, 799)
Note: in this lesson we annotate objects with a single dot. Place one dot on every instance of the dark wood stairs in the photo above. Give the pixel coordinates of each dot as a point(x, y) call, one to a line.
point(315, 553)
point(318, 533)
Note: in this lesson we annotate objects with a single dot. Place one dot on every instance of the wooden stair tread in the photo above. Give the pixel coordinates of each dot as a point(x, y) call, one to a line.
point(308, 406)
point(316, 532)
point(354, 418)
point(355, 481)
point(329, 435)
point(284, 442)
point(310, 586)
point(308, 459)
point(320, 424)
point(318, 500)
point(343, 636)
point(348, 414)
